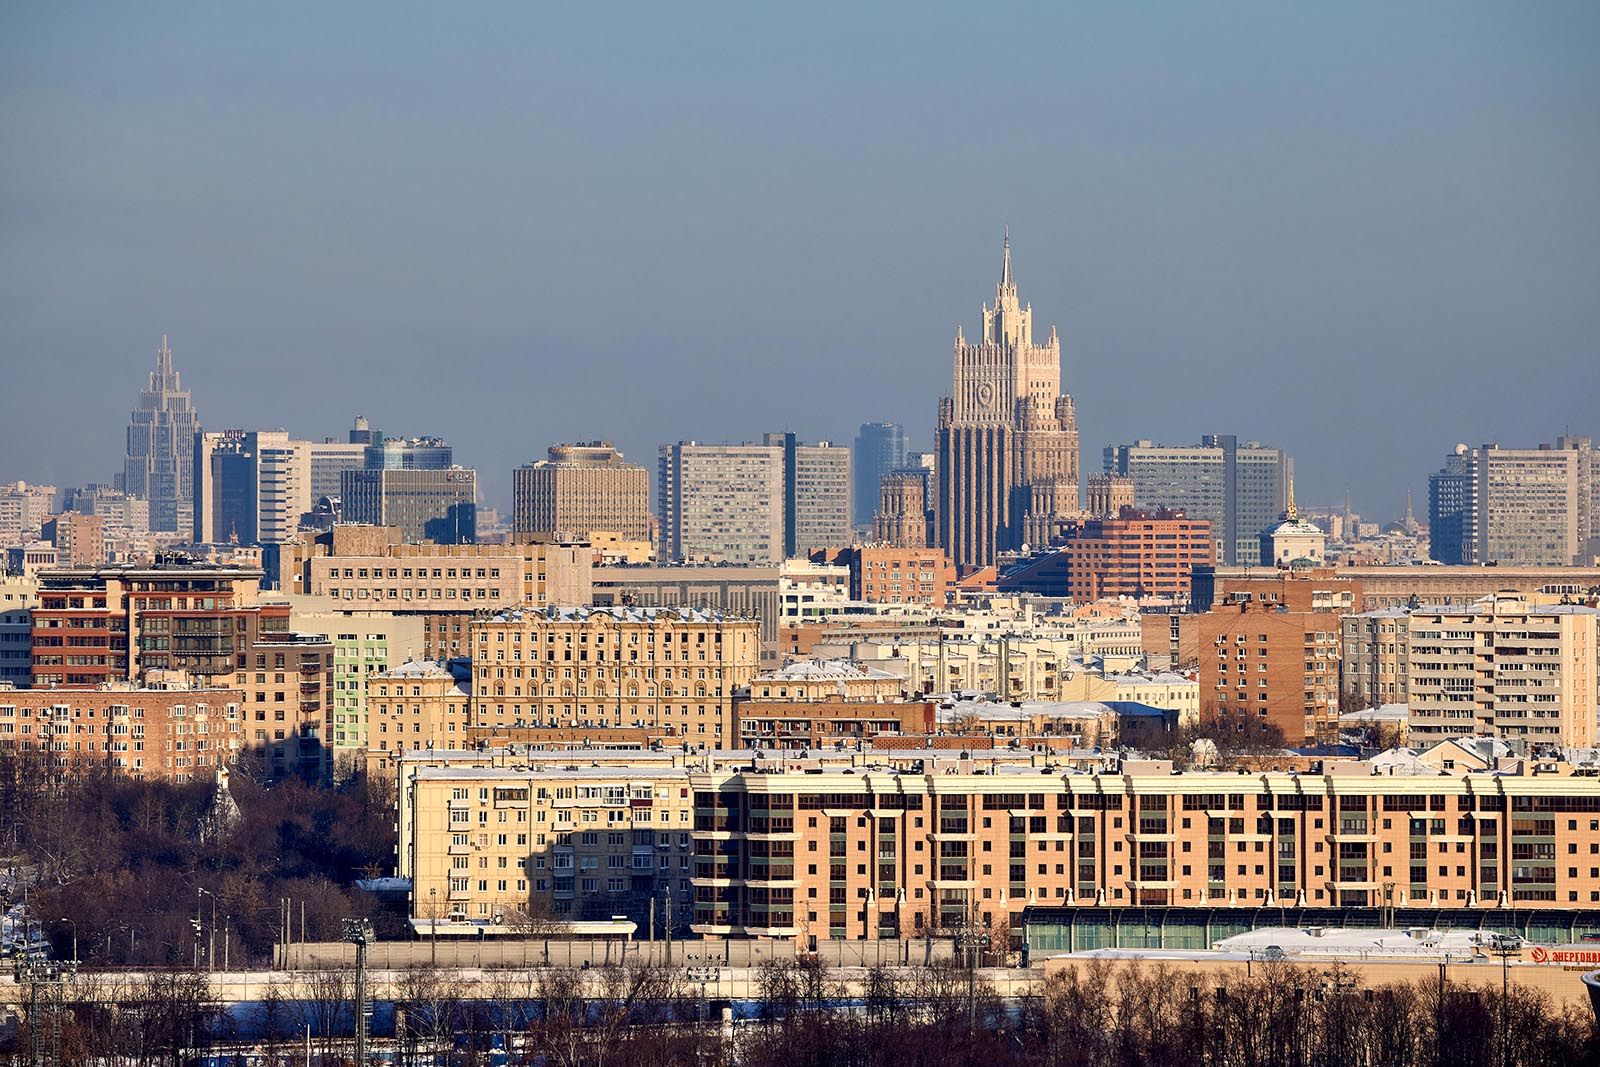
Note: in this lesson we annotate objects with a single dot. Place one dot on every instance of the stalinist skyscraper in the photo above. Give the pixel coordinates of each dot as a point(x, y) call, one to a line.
point(160, 461)
point(1007, 437)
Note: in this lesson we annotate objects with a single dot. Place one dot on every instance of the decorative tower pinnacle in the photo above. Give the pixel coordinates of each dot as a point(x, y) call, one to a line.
point(1005, 266)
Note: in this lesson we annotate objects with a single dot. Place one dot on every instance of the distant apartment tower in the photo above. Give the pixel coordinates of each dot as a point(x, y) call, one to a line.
point(579, 489)
point(121, 511)
point(1450, 510)
point(1239, 489)
point(23, 509)
point(330, 459)
point(159, 464)
point(438, 505)
point(1007, 437)
point(721, 503)
point(80, 540)
point(19, 595)
point(902, 517)
point(250, 485)
point(1527, 506)
point(880, 448)
point(816, 494)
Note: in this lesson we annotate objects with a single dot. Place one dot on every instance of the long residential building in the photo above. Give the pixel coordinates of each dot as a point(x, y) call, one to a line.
point(1398, 587)
point(1505, 667)
point(157, 733)
point(898, 845)
point(663, 668)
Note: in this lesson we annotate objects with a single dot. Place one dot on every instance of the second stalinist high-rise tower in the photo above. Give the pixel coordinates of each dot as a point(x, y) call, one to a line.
point(1007, 437)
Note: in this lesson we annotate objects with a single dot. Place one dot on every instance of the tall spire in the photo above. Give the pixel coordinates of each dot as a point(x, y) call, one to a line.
point(1005, 267)
point(163, 361)
point(1291, 513)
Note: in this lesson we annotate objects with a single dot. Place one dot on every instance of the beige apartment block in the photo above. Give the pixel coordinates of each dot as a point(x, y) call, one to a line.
point(806, 851)
point(516, 847)
point(579, 489)
point(1504, 667)
point(660, 668)
point(419, 704)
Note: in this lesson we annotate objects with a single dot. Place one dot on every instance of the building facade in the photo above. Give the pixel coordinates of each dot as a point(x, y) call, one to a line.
point(1239, 489)
point(251, 486)
point(721, 503)
point(1141, 555)
point(902, 516)
point(19, 595)
point(817, 499)
point(363, 568)
point(365, 643)
point(155, 734)
point(1518, 506)
point(122, 624)
point(159, 462)
point(579, 489)
point(1504, 667)
point(1274, 664)
point(1006, 439)
point(651, 667)
point(425, 503)
point(80, 540)
point(880, 448)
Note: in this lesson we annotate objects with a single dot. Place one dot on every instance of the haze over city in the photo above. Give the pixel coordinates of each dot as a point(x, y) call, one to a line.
point(689, 535)
point(1359, 233)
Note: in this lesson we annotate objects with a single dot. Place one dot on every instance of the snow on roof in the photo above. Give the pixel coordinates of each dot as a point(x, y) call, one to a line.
point(825, 670)
point(619, 613)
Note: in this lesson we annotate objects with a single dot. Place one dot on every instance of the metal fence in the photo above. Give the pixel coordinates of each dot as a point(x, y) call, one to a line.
point(539, 952)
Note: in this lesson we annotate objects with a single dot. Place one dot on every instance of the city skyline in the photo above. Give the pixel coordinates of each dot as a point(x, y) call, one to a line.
point(1347, 222)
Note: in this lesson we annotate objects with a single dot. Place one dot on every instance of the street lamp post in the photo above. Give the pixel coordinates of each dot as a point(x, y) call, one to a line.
point(211, 931)
point(705, 969)
point(1505, 946)
point(433, 926)
point(359, 933)
point(973, 940)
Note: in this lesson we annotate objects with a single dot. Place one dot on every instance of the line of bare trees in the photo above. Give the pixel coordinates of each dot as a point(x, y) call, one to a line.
point(122, 861)
point(1101, 1014)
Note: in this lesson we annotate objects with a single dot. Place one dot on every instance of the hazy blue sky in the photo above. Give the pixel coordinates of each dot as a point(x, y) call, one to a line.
point(1362, 232)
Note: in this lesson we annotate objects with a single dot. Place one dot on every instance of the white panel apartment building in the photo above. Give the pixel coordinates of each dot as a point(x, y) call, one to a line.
point(721, 503)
